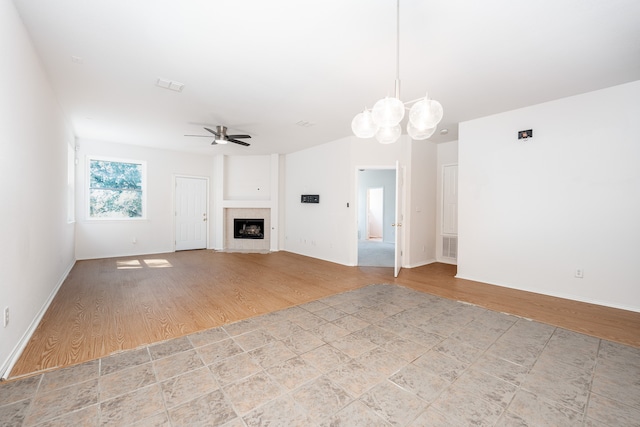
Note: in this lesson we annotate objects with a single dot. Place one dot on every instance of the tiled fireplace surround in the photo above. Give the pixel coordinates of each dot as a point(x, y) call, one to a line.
point(246, 245)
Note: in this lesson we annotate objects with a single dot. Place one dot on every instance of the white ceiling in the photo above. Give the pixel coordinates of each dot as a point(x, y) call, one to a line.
point(259, 67)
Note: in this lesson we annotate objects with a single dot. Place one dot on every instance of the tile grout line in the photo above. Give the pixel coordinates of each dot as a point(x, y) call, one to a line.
point(285, 392)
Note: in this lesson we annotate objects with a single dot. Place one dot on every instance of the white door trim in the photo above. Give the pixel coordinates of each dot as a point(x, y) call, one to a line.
point(399, 219)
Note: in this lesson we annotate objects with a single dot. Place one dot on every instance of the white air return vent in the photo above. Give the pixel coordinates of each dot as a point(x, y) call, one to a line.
point(450, 247)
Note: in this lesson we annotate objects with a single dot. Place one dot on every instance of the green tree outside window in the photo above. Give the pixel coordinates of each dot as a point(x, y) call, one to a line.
point(115, 189)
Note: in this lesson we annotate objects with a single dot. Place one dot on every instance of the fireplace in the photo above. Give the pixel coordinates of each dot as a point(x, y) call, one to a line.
point(245, 228)
point(250, 244)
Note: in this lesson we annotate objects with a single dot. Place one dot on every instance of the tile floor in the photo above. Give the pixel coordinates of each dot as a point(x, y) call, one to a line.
point(382, 355)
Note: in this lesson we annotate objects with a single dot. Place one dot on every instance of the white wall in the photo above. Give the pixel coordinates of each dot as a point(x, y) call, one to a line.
point(329, 230)
point(156, 233)
point(37, 241)
point(422, 207)
point(247, 178)
point(256, 182)
point(532, 212)
point(320, 230)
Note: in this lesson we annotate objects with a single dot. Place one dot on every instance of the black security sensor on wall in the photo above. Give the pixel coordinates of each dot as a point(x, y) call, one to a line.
point(310, 198)
point(525, 134)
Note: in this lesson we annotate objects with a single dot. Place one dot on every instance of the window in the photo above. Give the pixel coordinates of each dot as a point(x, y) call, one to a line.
point(116, 189)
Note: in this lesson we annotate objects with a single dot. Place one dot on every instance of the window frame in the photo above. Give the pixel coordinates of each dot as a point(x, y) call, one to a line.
point(143, 173)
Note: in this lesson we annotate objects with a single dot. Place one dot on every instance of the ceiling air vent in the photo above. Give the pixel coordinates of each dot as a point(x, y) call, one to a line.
point(304, 124)
point(169, 84)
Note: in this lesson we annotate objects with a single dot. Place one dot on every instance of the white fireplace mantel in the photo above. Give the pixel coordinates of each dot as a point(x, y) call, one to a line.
point(221, 205)
point(248, 204)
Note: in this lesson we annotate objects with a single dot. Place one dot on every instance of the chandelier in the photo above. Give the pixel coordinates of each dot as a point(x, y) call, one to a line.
point(383, 120)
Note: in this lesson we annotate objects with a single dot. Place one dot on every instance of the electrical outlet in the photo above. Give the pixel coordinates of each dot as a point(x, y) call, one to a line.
point(579, 273)
point(6, 316)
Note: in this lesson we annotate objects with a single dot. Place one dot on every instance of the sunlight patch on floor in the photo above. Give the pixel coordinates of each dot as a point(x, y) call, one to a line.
point(132, 264)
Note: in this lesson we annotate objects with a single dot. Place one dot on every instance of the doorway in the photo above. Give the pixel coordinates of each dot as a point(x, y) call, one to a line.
point(376, 217)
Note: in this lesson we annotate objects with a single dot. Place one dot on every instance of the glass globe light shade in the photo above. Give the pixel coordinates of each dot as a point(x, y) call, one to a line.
point(388, 112)
point(419, 134)
point(388, 134)
point(363, 125)
point(426, 113)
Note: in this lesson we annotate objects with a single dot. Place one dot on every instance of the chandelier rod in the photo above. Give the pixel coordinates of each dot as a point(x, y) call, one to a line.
point(383, 120)
point(398, 49)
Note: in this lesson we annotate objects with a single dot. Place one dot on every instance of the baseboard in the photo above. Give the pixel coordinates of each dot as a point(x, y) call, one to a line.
point(560, 295)
point(420, 264)
point(448, 261)
point(7, 366)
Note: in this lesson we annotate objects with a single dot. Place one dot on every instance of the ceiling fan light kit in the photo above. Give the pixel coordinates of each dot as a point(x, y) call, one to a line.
point(383, 120)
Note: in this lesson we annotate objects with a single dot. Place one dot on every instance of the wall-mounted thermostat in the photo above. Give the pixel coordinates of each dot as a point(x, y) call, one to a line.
point(310, 198)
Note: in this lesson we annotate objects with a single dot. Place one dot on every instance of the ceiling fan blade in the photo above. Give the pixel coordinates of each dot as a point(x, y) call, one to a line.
point(239, 136)
point(212, 131)
point(203, 136)
point(239, 142)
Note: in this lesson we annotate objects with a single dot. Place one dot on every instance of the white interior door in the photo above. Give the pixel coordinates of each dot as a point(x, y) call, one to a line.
point(191, 213)
point(399, 219)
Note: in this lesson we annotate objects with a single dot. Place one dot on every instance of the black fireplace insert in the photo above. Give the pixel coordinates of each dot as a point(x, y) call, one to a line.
point(246, 228)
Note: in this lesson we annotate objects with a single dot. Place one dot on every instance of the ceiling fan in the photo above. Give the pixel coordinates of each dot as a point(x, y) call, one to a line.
point(221, 136)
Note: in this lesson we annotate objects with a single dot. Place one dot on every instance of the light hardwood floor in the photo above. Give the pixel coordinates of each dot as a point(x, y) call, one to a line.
point(110, 305)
